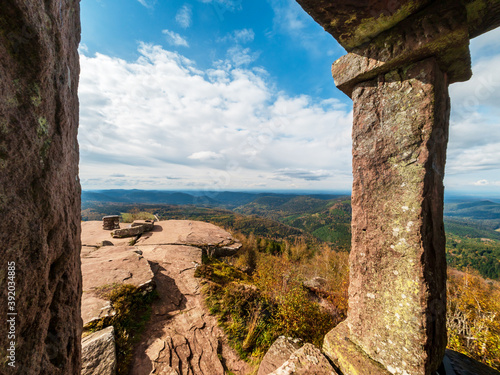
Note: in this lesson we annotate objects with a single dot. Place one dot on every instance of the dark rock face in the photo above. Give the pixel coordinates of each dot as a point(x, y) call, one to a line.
point(397, 291)
point(463, 365)
point(39, 186)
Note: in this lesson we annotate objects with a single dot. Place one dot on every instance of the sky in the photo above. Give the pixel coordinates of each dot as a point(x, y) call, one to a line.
point(238, 95)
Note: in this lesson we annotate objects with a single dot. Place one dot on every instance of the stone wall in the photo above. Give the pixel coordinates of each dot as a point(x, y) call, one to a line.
point(39, 186)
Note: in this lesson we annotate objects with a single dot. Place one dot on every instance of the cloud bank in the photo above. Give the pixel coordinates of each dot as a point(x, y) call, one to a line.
point(160, 122)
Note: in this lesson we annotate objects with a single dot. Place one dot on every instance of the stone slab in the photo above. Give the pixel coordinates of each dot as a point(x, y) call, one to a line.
point(128, 232)
point(353, 23)
point(107, 266)
point(215, 241)
point(148, 224)
point(441, 32)
point(94, 235)
point(99, 353)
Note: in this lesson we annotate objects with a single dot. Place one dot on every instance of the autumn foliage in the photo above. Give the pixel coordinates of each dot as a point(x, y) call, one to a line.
point(473, 317)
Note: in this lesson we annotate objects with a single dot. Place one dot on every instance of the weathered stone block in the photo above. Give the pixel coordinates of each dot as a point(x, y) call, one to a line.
point(441, 32)
point(307, 360)
point(99, 353)
point(39, 185)
point(128, 232)
point(279, 352)
point(147, 224)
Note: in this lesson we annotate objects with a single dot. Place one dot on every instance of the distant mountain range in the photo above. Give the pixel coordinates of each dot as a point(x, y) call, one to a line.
point(225, 199)
point(472, 225)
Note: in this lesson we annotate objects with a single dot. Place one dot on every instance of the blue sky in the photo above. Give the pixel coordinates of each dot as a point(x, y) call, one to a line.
point(238, 94)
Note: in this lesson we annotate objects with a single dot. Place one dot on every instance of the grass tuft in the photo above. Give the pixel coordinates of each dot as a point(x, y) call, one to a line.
point(133, 310)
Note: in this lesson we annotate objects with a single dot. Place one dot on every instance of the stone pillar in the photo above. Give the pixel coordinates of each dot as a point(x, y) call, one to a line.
point(39, 188)
point(398, 82)
point(397, 291)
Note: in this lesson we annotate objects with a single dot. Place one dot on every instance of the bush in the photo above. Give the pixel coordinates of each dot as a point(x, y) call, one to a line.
point(135, 214)
point(295, 315)
point(473, 317)
point(133, 310)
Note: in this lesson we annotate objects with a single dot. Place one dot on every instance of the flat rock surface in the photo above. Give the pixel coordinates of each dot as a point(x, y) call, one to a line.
point(186, 232)
point(107, 266)
point(93, 234)
point(181, 337)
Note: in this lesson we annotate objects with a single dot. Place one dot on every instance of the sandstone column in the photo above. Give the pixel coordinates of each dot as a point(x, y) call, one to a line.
point(397, 291)
point(402, 57)
point(39, 187)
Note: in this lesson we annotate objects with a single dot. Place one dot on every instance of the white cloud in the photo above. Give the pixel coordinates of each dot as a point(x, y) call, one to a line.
point(241, 56)
point(229, 4)
point(239, 36)
point(205, 155)
point(485, 43)
point(288, 15)
point(148, 3)
point(82, 48)
point(481, 183)
point(475, 123)
point(184, 15)
point(244, 35)
point(224, 127)
point(302, 174)
point(175, 39)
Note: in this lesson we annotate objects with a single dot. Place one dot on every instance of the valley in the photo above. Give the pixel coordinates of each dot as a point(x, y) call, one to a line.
point(472, 225)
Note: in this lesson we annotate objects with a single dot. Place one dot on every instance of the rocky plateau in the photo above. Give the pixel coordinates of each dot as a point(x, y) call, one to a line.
point(181, 338)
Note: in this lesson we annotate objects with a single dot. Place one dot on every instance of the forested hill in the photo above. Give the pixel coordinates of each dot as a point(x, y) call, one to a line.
point(221, 199)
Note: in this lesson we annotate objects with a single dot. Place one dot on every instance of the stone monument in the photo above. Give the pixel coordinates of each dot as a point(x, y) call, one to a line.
point(402, 57)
